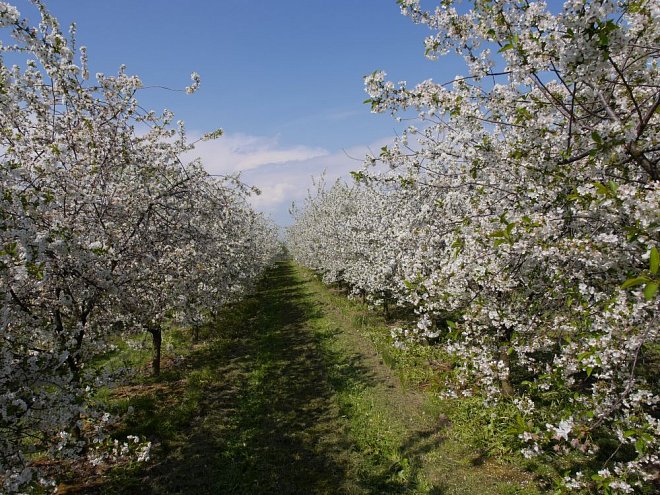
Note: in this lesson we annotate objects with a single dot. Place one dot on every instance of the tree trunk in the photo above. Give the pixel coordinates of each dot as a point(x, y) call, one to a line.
point(72, 363)
point(505, 382)
point(157, 339)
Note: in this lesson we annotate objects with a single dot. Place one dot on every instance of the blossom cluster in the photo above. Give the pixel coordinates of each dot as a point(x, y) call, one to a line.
point(105, 231)
point(520, 219)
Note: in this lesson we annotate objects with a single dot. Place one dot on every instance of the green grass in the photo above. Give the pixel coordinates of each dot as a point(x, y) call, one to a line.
point(439, 446)
point(298, 390)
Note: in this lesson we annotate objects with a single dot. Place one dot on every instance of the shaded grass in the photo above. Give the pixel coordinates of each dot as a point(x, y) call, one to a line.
point(297, 390)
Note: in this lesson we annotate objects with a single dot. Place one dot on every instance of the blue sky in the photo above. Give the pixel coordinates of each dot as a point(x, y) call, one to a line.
point(283, 78)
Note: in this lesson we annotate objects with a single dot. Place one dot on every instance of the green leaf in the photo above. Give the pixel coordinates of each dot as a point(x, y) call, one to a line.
point(358, 176)
point(407, 182)
point(384, 153)
point(632, 282)
point(646, 436)
point(601, 188)
point(506, 47)
point(613, 186)
point(654, 260)
point(650, 290)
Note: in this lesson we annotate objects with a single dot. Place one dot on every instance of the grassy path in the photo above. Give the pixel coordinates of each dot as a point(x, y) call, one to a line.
point(290, 399)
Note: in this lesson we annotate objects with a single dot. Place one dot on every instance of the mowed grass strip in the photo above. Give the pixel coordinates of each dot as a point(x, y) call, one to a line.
point(293, 393)
point(435, 446)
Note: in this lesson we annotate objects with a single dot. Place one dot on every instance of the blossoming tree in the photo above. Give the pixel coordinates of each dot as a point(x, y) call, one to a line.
point(103, 230)
point(534, 220)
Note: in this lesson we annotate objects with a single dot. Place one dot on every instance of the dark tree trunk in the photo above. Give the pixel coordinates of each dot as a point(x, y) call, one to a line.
point(72, 361)
point(157, 339)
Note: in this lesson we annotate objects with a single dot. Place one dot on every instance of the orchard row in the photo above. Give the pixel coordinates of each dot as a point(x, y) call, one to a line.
point(519, 218)
point(105, 232)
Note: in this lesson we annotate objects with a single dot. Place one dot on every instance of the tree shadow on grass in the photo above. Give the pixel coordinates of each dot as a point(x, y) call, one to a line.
point(255, 411)
point(263, 419)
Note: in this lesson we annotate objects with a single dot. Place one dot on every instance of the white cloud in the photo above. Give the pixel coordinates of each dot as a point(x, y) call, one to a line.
point(284, 174)
point(272, 195)
point(238, 152)
point(287, 182)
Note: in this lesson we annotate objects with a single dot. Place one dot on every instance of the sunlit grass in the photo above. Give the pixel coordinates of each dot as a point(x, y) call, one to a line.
point(298, 390)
